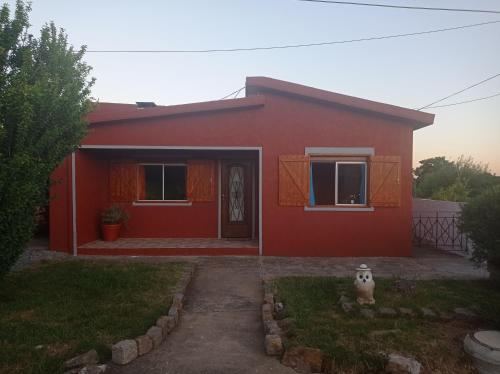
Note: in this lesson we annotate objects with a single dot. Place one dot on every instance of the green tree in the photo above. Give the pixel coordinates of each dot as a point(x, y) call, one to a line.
point(440, 179)
point(44, 96)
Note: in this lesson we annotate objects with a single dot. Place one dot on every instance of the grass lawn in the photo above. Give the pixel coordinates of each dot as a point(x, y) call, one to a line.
point(348, 339)
point(71, 307)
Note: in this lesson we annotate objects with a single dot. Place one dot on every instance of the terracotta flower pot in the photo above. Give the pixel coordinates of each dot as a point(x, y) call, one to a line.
point(111, 232)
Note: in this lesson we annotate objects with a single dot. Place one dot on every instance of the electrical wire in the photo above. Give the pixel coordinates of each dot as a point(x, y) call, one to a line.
point(286, 46)
point(464, 102)
point(459, 92)
point(235, 93)
point(403, 6)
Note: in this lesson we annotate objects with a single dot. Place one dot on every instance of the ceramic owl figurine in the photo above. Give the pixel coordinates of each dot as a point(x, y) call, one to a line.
point(365, 285)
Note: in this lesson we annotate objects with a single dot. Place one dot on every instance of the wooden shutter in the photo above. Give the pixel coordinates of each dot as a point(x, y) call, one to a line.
point(294, 180)
point(201, 180)
point(123, 182)
point(385, 181)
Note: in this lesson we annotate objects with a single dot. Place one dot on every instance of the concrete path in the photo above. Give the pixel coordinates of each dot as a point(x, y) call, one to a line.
point(220, 329)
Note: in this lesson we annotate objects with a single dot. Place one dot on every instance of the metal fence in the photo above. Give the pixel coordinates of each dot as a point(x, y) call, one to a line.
point(440, 232)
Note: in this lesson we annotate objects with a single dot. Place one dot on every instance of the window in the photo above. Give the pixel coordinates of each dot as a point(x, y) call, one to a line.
point(337, 182)
point(162, 182)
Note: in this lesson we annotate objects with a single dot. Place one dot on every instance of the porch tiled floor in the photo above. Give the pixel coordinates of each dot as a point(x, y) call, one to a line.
point(130, 243)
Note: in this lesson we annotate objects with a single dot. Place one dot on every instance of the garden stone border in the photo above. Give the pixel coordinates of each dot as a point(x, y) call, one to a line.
point(313, 360)
point(126, 351)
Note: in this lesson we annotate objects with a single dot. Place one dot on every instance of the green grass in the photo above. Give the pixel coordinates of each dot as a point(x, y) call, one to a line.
point(345, 338)
point(71, 307)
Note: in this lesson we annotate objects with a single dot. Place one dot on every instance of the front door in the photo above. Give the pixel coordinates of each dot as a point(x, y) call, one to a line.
point(236, 199)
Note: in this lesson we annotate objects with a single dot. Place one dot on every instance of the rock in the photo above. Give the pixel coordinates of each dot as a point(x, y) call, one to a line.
point(89, 369)
point(407, 312)
point(398, 364)
point(89, 358)
point(384, 332)
point(162, 323)
point(174, 313)
point(156, 335)
point(428, 313)
point(445, 316)
point(170, 324)
point(273, 345)
point(178, 300)
point(465, 314)
point(387, 312)
point(286, 324)
point(38, 347)
point(303, 359)
point(267, 316)
point(272, 328)
point(367, 313)
point(269, 299)
point(344, 299)
point(144, 344)
point(347, 307)
point(267, 308)
point(124, 352)
point(278, 307)
point(405, 286)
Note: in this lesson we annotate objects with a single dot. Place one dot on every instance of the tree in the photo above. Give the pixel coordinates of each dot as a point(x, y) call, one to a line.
point(44, 97)
point(440, 179)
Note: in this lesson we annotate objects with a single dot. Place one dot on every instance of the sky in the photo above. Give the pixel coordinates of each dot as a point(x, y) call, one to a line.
point(409, 72)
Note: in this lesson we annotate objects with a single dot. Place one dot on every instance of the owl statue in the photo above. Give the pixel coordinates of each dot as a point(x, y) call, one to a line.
point(364, 285)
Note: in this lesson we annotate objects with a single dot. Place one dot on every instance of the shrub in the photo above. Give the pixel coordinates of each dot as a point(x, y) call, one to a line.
point(480, 220)
point(114, 215)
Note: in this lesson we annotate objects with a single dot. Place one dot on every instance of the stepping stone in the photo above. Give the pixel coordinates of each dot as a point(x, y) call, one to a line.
point(387, 312)
point(407, 312)
point(367, 313)
point(428, 313)
point(465, 314)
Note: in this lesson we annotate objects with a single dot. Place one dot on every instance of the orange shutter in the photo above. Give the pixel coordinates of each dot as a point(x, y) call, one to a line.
point(123, 182)
point(293, 180)
point(385, 181)
point(201, 180)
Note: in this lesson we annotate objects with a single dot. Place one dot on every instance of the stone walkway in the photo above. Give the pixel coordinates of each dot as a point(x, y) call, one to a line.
point(220, 329)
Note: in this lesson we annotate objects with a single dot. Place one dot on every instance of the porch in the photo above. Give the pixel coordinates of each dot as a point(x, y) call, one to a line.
point(172, 247)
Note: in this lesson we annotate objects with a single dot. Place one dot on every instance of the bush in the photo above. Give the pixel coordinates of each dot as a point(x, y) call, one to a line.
point(480, 220)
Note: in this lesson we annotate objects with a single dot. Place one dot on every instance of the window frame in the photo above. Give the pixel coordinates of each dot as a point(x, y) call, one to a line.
point(351, 160)
point(163, 165)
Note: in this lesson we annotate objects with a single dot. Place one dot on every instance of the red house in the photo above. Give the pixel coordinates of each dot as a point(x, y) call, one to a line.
point(288, 170)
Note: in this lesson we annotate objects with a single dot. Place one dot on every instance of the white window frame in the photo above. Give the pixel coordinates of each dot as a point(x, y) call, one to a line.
point(162, 164)
point(336, 204)
point(337, 163)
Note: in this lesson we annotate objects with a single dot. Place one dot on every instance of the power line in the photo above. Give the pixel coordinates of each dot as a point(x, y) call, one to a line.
point(459, 92)
point(403, 6)
point(235, 93)
point(286, 46)
point(464, 102)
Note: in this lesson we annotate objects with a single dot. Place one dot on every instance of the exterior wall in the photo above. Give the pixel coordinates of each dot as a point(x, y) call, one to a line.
point(284, 125)
point(60, 230)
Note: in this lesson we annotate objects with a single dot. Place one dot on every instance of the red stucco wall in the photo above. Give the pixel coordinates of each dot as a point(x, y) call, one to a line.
point(284, 125)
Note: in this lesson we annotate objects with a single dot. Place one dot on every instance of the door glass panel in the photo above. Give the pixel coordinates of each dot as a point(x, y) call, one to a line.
point(236, 194)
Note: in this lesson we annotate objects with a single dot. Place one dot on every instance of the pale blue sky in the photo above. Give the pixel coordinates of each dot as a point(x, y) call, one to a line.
point(409, 72)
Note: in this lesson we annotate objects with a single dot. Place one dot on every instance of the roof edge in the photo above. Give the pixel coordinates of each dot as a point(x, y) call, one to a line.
point(416, 118)
point(165, 111)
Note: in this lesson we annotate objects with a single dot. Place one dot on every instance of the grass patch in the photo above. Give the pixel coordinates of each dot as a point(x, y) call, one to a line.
point(348, 339)
point(71, 307)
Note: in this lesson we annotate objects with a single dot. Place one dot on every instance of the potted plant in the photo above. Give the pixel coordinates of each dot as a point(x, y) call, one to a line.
point(480, 220)
point(111, 222)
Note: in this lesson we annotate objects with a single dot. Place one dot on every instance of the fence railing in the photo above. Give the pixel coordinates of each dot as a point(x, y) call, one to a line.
point(440, 232)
